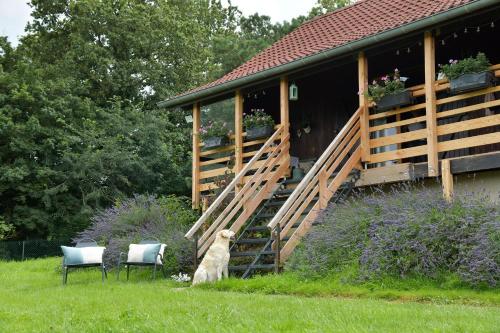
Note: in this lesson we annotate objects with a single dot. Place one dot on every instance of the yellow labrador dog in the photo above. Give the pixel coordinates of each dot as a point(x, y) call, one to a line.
point(215, 262)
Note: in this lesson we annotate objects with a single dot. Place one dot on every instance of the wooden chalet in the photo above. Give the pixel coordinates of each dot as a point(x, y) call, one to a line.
point(331, 138)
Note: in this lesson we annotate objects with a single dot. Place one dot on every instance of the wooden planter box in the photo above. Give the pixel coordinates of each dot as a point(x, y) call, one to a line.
point(215, 141)
point(259, 132)
point(392, 101)
point(472, 81)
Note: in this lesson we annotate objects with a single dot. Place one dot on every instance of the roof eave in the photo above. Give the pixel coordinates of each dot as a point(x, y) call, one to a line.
point(330, 53)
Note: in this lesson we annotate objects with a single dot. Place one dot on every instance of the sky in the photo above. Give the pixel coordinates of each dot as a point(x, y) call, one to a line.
point(14, 14)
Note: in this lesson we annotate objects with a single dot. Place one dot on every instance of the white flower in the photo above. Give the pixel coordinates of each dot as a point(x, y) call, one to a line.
point(181, 277)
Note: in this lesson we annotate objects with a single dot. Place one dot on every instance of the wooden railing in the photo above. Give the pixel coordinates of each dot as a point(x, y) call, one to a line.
point(257, 180)
point(219, 162)
point(465, 122)
point(325, 177)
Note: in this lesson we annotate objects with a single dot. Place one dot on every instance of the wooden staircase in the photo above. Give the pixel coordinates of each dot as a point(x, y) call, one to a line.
point(256, 248)
point(268, 215)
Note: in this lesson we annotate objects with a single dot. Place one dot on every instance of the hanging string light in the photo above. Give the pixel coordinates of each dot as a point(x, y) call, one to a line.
point(443, 39)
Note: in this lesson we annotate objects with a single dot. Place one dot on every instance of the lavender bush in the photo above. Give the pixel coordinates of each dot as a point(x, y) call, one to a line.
point(407, 231)
point(129, 221)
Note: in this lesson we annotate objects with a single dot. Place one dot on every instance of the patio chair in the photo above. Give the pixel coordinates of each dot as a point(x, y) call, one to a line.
point(85, 254)
point(149, 252)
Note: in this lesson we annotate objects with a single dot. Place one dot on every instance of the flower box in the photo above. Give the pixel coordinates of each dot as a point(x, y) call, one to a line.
point(471, 81)
point(215, 141)
point(392, 101)
point(259, 132)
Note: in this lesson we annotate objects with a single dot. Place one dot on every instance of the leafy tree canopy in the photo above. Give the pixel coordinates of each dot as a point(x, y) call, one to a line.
point(79, 128)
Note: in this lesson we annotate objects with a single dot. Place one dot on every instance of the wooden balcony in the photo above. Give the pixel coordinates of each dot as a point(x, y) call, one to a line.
point(467, 126)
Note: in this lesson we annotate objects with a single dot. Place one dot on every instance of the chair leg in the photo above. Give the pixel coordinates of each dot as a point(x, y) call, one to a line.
point(128, 271)
point(105, 272)
point(102, 273)
point(65, 275)
point(154, 273)
point(164, 271)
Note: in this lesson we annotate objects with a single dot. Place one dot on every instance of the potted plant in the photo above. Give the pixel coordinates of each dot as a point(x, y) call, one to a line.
point(258, 124)
point(214, 134)
point(468, 74)
point(389, 92)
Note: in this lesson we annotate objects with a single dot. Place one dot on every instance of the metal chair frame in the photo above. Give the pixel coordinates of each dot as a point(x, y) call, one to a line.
point(150, 240)
point(86, 242)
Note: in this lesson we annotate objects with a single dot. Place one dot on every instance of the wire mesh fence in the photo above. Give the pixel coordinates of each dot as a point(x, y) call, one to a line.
point(31, 249)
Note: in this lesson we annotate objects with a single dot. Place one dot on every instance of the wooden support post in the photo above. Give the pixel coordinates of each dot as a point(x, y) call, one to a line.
point(430, 104)
point(238, 134)
point(323, 189)
point(284, 114)
point(447, 180)
point(363, 104)
point(195, 197)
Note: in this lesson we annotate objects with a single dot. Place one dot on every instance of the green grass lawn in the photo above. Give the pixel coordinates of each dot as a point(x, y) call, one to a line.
point(447, 291)
point(32, 299)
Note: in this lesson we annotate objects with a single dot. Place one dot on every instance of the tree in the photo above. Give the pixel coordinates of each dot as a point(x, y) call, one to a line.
point(79, 128)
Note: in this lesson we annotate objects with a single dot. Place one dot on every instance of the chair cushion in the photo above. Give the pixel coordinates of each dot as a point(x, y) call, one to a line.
point(82, 255)
point(145, 253)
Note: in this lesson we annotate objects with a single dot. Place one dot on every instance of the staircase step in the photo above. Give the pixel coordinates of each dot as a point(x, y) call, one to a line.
point(245, 267)
point(275, 203)
point(252, 241)
point(258, 228)
point(265, 216)
point(285, 192)
point(251, 253)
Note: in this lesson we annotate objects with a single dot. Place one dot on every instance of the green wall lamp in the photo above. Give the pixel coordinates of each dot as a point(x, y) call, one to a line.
point(294, 92)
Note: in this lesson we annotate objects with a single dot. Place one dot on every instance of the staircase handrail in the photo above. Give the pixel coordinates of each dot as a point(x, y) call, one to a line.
point(236, 181)
point(313, 172)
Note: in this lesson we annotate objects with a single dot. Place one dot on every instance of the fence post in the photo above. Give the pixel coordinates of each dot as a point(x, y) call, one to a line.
point(195, 261)
point(22, 253)
point(277, 246)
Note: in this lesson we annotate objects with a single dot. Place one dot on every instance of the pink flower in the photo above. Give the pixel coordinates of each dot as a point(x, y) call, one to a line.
point(396, 70)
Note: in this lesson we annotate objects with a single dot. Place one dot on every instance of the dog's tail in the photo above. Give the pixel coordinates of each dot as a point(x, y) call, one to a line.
point(200, 276)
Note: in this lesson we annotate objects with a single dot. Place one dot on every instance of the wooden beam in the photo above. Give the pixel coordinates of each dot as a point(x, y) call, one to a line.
point(284, 111)
point(363, 104)
point(473, 141)
point(238, 133)
point(195, 195)
point(430, 104)
point(386, 174)
point(447, 180)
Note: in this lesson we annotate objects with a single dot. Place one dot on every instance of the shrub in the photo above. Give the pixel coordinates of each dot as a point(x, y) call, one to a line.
point(128, 221)
point(258, 119)
point(407, 231)
point(214, 129)
point(455, 68)
point(389, 84)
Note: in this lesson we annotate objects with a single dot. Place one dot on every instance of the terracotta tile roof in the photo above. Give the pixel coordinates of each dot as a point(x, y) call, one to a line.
point(362, 19)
